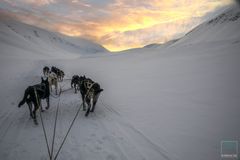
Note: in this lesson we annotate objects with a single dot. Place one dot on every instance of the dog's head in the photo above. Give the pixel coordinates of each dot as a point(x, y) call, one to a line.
point(81, 79)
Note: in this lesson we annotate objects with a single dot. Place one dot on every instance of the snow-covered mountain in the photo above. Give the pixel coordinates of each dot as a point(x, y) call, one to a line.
point(221, 28)
point(20, 38)
point(177, 101)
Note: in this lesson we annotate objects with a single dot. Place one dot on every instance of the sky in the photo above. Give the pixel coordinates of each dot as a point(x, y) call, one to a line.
point(115, 24)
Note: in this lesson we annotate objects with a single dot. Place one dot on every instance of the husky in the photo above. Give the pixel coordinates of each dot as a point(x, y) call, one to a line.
point(53, 81)
point(90, 92)
point(60, 74)
point(75, 82)
point(46, 71)
point(33, 95)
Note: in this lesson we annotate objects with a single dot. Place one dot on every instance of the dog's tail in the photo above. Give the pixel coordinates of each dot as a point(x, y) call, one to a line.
point(99, 90)
point(26, 93)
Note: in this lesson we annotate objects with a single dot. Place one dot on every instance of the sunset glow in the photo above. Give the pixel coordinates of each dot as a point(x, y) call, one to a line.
point(115, 24)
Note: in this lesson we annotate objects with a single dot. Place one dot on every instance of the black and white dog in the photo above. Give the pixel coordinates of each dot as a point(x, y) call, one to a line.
point(33, 95)
point(75, 83)
point(90, 92)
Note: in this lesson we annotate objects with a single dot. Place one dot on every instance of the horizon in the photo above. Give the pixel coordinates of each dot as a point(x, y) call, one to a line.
point(144, 22)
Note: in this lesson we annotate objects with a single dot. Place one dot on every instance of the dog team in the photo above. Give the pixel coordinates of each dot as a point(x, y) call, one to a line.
point(33, 95)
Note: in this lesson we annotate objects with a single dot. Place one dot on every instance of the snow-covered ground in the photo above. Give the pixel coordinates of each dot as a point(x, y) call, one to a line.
point(174, 102)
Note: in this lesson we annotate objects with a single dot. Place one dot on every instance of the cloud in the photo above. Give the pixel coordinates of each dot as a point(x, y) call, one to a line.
point(29, 2)
point(38, 2)
point(115, 24)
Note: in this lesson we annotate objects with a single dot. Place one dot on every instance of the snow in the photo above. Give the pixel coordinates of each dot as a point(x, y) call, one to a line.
point(174, 102)
point(29, 41)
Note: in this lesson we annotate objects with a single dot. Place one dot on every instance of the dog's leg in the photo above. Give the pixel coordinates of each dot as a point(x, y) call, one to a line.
point(91, 104)
point(34, 113)
point(84, 106)
point(75, 87)
point(88, 110)
point(93, 108)
point(40, 105)
point(94, 102)
point(48, 105)
point(56, 88)
point(30, 109)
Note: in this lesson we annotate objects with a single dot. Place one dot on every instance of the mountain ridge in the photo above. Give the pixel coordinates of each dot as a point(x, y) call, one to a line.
point(20, 35)
point(198, 34)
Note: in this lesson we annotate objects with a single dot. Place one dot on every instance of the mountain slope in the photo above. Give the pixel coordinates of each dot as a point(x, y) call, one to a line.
point(224, 27)
point(26, 39)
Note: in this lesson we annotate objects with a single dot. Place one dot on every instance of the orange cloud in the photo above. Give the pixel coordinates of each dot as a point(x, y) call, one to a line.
point(135, 25)
point(124, 24)
point(39, 2)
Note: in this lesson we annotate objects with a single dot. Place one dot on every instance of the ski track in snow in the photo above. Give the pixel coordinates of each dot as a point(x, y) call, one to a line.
point(103, 133)
point(8, 119)
point(136, 135)
point(124, 138)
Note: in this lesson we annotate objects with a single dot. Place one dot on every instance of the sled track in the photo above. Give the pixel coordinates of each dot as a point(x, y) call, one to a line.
point(8, 121)
point(103, 135)
point(124, 138)
point(131, 134)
